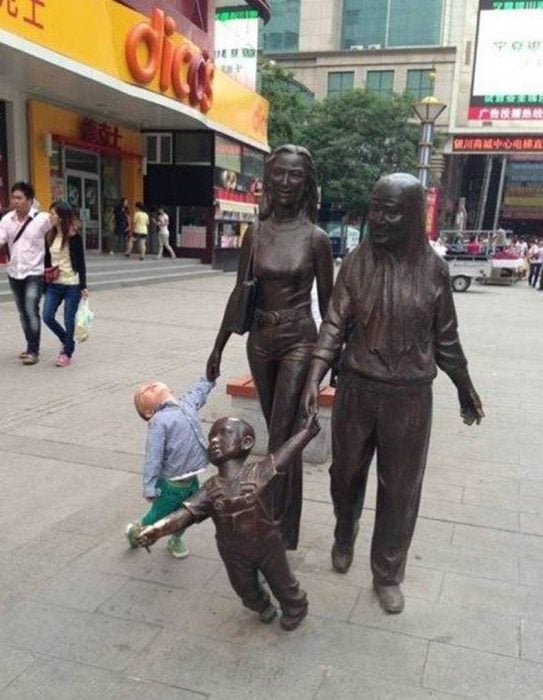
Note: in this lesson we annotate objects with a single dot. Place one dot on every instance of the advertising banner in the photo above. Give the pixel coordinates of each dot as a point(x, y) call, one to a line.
point(507, 79)
point(236, 43)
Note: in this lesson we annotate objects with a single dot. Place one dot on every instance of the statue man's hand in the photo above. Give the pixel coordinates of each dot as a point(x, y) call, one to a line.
point(312, 425)
point(147, 536)
point(471, 408)
point(213, 368)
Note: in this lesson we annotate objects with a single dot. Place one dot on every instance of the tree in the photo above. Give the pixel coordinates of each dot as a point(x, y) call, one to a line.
point(356, 138)
point(288, 107)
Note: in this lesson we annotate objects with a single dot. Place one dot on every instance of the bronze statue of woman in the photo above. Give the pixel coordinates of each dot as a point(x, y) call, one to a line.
point(290, 252)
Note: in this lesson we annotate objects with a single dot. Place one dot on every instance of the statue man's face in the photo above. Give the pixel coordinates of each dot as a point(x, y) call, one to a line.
point(287, 181)
point(390, 217)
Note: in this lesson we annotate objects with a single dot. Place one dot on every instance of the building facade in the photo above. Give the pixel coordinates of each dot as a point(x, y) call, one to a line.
point(448, 48)
point(98, 98)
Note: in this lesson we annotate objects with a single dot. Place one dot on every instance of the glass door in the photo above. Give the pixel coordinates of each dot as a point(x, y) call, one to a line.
point(83, 192)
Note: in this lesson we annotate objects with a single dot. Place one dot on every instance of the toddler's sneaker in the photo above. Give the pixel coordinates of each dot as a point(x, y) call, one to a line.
point(131, 532)
point(63, 360)
point(177, 548)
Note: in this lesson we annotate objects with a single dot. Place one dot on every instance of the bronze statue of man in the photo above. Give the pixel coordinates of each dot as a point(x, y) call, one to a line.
point(392, 314)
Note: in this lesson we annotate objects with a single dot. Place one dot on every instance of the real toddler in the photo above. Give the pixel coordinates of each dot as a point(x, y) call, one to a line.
point(175, 452)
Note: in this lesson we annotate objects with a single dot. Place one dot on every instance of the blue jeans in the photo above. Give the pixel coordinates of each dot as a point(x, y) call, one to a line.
point(55, 294)
point(27, 294)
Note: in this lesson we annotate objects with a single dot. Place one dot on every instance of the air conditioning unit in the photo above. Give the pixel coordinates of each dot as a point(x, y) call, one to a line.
point(356, 47)
point(374, 47)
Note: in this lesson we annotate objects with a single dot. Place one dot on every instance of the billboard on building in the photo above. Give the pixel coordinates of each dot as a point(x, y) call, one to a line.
point(236, 42)
point(507, 79)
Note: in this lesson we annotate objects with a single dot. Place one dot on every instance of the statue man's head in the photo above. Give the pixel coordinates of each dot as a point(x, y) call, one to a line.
point(290, 182)
point(396, 214)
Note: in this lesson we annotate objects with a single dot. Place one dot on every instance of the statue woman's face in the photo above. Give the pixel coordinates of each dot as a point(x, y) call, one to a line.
point(287, 181)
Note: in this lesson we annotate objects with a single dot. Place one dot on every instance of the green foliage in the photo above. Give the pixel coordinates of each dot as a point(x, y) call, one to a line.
point(356, 138)
point(288, 108)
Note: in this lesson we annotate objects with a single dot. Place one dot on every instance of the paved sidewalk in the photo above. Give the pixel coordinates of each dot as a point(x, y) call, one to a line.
point(83, 617)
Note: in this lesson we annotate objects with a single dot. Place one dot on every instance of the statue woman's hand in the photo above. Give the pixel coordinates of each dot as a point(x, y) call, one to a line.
point(213, 367)
point(310, 399)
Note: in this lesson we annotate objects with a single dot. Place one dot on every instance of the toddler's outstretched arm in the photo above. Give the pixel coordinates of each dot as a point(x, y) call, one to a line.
point(178, 520)
point(285, 455)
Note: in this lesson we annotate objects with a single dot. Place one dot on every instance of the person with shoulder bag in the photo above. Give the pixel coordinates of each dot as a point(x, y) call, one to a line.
point(22, 231)
point(65, 277)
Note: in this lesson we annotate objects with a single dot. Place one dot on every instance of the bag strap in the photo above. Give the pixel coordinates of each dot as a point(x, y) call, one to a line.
point(21, 230)
point(249, 270)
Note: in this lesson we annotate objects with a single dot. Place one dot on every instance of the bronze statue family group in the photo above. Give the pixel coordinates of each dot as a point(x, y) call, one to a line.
point(389, 323)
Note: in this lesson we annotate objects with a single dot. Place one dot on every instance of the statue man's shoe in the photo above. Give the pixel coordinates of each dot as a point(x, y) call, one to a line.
point(268, 614)
point(290, 622)
point(390, 597)
point(342, 559)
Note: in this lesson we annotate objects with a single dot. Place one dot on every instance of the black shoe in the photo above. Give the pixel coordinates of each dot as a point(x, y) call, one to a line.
point(390, 598)
point(290, 622)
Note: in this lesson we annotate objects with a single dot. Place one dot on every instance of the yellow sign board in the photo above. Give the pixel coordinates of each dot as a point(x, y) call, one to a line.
point(146, 51)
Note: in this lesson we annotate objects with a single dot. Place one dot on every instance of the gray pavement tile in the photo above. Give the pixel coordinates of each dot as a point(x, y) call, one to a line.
point(253, 657)
point(191, 610)
point(483, 539)
point(477, 674)
point(532, 523)
point(502, 566)
point(446, 622)
point(437, 491)
point(13, 662)
point(73, 635)
point(80, 588)
point(498, 499)
point(531, 487)
point(492, 596)
point(483, 516)
point(530, 572)
point(52, 679)
point(351, 685)
point(531, 640)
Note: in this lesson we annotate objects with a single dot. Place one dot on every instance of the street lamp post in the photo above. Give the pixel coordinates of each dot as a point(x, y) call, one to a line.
point(427, 112)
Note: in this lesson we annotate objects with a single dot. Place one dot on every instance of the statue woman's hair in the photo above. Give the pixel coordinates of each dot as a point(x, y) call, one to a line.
point(310, 198)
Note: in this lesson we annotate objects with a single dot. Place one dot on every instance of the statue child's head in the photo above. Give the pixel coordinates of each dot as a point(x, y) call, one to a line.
point(230, 438)
point(149, 396)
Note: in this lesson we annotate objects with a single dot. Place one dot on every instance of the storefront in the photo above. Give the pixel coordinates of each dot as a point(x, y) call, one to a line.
point(85, 102)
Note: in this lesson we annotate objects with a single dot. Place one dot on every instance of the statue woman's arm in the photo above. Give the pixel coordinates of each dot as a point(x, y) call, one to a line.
point(213, 369)
point(323, 263)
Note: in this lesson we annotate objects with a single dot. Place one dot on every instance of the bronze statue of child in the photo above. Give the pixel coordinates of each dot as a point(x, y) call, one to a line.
point(239, 499)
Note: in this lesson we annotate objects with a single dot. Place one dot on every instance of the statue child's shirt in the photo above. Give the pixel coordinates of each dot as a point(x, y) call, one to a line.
point(241, 507)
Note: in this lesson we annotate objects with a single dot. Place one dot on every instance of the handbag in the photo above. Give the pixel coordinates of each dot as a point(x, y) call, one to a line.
point(50, 274)
point(241, 306)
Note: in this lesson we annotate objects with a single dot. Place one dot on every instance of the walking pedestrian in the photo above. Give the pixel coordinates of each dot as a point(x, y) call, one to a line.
point(122, 223)
point(23, 230)
point(65, 261)
point(534, 258)
point(140, 229)
point(163, 222)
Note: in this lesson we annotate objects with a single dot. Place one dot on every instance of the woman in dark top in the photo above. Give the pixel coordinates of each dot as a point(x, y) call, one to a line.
point(122, 223)
point(64, 251)
point(290, 253)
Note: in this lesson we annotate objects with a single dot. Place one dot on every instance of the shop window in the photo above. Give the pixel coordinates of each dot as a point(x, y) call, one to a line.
point(193, 148)
point(419, 83)
point(158, 148)
point(83, 161)
point(380, 81)
point(340, 82)
point(282, 33)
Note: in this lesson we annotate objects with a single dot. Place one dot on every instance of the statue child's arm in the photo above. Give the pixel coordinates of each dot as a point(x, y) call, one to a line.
point(287, 453)
point(178, 520)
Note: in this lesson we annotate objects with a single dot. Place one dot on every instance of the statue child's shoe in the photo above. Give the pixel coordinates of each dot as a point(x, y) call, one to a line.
point(342, 559)
point(390, 597)
point(268, 615)
point(290, 622)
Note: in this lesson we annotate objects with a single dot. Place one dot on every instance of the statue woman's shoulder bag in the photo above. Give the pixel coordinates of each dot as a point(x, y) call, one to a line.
point(241, 306)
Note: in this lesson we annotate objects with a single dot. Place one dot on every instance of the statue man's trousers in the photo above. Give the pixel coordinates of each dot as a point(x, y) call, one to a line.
point(394, 422)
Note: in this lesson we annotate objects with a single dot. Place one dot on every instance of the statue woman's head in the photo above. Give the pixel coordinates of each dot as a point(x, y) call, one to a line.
point(290, 183)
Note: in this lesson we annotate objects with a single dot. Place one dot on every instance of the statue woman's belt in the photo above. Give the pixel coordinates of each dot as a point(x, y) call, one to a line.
point(275, 318)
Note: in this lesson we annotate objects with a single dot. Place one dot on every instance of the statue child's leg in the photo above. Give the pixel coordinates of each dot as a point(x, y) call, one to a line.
point(282, 582)
point(403, 434)
point(243, 575)
point(353, 446)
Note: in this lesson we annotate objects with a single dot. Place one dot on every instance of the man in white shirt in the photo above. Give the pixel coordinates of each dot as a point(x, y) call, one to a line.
point(23, 229)
point(534, 258)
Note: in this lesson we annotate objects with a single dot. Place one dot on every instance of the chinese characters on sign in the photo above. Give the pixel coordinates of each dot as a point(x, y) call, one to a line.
point(28, 11)
point(236, 40)
point(100, 133)
point(497, 144)
point(518, 5)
